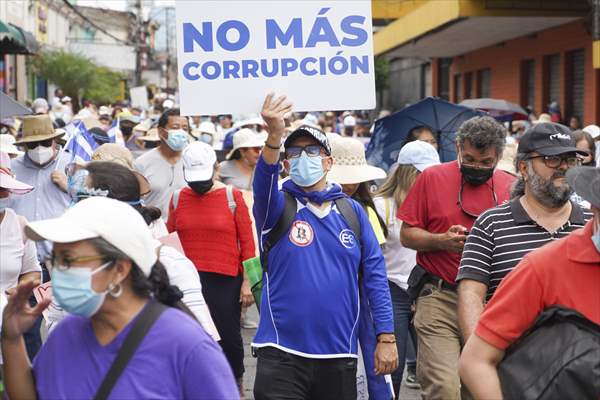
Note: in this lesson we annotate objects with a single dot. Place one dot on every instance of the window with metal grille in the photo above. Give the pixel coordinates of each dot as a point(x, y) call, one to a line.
point(485, 79)
point(576, 84)
point(458, 88)
point(468, 85)
point(444, 78)
point(553, 78)
point(528, 85)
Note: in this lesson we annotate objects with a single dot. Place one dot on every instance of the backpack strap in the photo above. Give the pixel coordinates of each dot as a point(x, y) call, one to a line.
point(290, 208)
point(230, 199)
point(176, 198)
point(344, 206)
point(134, 338)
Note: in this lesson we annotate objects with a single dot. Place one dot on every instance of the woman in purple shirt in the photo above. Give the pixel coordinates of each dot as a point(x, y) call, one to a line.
point(105, 272)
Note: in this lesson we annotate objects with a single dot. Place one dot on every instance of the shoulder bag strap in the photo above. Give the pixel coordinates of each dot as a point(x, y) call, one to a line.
point(281, 227)
point(176, 198)
point(345, 208)
point(134, 338)
point(230, 199)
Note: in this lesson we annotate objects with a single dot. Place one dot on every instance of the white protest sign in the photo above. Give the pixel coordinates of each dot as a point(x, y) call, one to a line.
point(139, 97)
point(232, 53)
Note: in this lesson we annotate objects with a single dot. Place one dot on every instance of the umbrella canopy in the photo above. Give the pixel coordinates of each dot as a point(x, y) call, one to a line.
point(500, 109)
point(9, 107)
point(442, 117)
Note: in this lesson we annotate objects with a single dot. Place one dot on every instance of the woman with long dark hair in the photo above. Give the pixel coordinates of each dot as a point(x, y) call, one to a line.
point(106, 273)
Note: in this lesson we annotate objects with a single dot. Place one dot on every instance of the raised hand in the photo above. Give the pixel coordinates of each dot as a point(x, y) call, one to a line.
point(18, 316)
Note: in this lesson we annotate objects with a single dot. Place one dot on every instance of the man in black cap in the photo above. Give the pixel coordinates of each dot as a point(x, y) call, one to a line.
point(566, 273)
point(540, 212)
point(317, 249)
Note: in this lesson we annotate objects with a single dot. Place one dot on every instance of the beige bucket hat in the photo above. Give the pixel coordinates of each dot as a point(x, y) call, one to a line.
point(118, 154)
point(350, 164)
point(37, 128)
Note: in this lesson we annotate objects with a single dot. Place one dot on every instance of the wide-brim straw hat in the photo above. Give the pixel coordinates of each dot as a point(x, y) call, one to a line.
point(350, 164)
point(151, 135)
point(118, 154)
point(37, 128)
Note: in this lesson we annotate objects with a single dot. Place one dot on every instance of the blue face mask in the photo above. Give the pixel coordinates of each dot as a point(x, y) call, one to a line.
point(4, 203)
point(305, 171)
point(596, 235)
point(177, 139)
point(72, 288)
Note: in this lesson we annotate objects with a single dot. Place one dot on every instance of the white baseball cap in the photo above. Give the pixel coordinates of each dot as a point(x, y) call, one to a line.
point(593, 130)
point(199, 161)
point(349, 121)
point(420, 154)
point(100, 217)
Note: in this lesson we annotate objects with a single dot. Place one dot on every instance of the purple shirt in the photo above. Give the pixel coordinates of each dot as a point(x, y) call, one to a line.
point(176, 360)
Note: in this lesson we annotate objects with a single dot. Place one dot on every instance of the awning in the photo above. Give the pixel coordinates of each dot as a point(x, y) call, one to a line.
point(14, 40)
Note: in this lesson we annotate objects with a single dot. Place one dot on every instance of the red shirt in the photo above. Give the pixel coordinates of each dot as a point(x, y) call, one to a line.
point(210, 235)
point(565, 272)
point(432, 205)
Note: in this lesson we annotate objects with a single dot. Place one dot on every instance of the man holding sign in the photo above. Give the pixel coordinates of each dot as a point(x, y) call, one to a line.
point(312, 307)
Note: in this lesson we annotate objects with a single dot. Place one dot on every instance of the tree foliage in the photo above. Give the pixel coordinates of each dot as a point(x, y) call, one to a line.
point(382, 73)
point(78, 76)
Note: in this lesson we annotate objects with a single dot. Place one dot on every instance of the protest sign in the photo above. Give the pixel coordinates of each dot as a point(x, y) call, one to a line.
point(139, 97)
point(230, 54)
point(43, 291)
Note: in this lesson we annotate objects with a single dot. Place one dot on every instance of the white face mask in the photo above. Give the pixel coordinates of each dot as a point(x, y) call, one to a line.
point(41, 155)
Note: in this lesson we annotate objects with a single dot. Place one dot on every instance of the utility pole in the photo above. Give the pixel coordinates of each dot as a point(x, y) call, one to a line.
point(139, 42)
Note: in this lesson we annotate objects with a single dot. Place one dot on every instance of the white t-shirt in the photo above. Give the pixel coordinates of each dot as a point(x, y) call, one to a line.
point(398, 259)
point(18, 255)
point(164, 179)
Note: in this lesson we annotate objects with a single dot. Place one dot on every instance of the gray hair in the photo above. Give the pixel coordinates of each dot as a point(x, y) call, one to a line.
point(518, 187)
point(483, 133)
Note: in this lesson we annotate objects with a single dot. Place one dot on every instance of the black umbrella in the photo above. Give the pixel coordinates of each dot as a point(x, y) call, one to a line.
point(10, 108)
point(442, 117)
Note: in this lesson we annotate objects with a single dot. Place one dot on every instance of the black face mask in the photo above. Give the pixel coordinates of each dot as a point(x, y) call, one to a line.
point(476, 176)
point(126, 130)
point(201, 187)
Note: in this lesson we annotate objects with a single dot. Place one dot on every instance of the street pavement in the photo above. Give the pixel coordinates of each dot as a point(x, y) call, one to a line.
point(250, 364)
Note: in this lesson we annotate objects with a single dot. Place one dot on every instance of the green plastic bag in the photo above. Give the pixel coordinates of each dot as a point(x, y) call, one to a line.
point(254, 271)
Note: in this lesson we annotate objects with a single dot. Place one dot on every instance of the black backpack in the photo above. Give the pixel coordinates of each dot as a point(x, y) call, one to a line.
point(557, 358)
point(283, 225)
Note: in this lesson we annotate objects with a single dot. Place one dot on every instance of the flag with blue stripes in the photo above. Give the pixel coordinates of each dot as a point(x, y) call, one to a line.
point(114, 133)
point(81, 143)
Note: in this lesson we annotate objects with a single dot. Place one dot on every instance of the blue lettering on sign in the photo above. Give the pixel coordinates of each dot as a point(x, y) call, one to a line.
point(275, 34)
point(191, 36)
point(347, 238)
point(360, 35)
point(322, 32)
point(244, 35)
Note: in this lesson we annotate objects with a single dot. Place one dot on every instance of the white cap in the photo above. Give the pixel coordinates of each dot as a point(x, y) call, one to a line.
point(593, 130)
point(7, 144)
point(245, 138)
point(168, 103)
point(199, 161)
point(65, 99)
point(349, 121)
point(100, 217)
point(207, 127)
point(104, 110)
point(420, 154)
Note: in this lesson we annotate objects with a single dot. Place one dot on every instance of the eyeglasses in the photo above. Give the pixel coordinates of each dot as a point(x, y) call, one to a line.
point(474, 214)
point(556, 161)
point(311, 150)
point(44, 143)
point(62, 264)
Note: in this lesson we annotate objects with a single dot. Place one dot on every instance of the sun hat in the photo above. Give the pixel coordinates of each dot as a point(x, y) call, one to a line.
point(121, 155)
point(151, 135)
point(253, 120)
point(421, 155)
point(99, 217)
point(199, 161)
point(104, 110)
point(350, 164)
point(507, 162)
point(585, 181)
point(8, 180)
point(7, 144)
point(549, 139)
point(204, 127)
point(593, 130)
point(141, 127)
point(37, 128)
point(349, 121)
point(126, 116)
point(245, 138)
point(65, 99)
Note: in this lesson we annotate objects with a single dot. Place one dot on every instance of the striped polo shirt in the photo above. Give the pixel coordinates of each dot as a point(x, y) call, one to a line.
point(502, 236)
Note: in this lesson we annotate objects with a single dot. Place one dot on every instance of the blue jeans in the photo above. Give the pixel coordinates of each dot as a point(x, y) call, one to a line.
point(404, 332)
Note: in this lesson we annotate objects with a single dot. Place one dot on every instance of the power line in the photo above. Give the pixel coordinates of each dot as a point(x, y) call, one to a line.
point(76, 11)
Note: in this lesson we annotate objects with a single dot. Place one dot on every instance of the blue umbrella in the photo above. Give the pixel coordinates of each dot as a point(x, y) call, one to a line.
point(10, 108)
point(442, 117)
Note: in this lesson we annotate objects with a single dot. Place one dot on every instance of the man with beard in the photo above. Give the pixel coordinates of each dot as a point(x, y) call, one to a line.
point(540, 212)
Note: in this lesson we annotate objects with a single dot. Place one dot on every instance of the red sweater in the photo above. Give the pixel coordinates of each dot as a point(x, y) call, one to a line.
point(211, 236)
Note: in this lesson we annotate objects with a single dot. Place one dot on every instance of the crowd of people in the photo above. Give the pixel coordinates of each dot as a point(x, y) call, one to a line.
point(429, 274)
